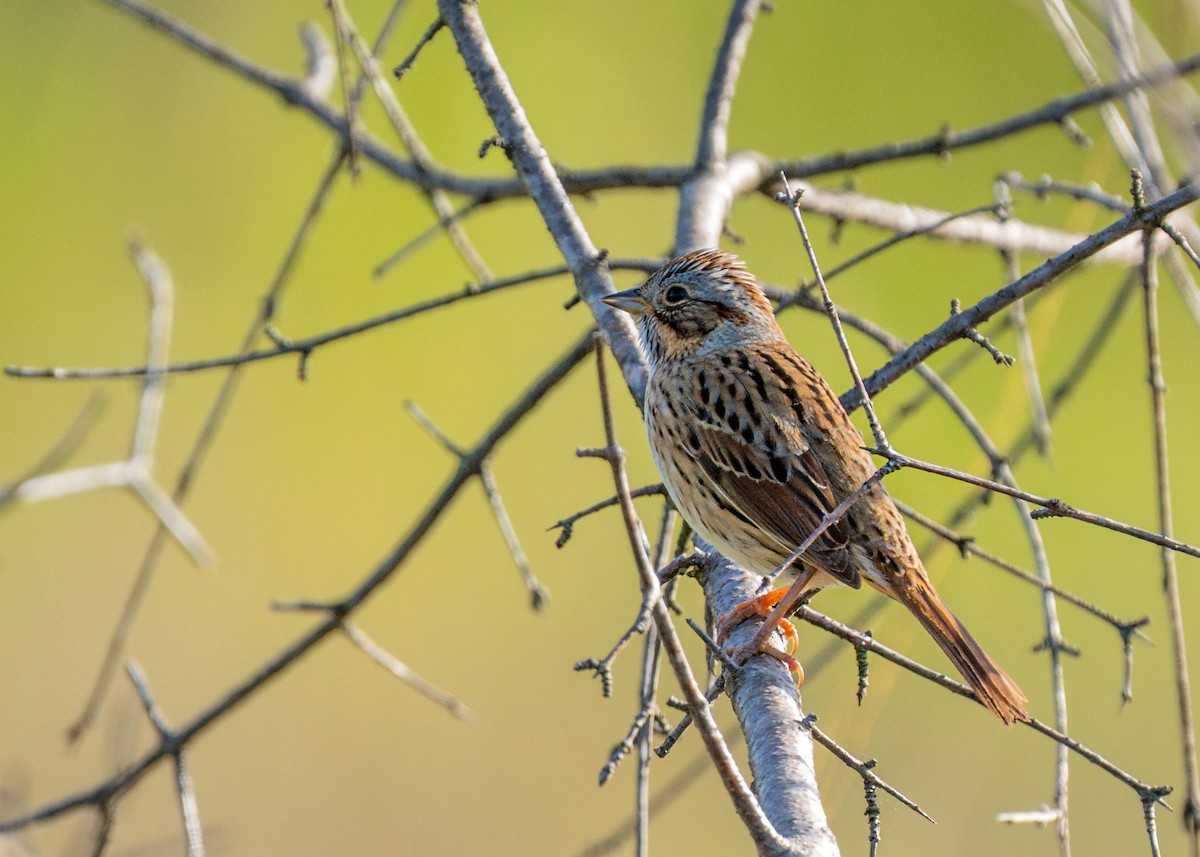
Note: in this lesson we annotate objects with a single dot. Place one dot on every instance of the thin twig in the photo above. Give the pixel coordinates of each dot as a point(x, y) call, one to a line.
point(567, 525)
point(981, 227)
point(866, 641)
point(648, 692)
point(538, 594)
point(63, 448)
point(420, 154)
point(407, 63)
point(863, 769)
point(858, 258)
point(1052, 506)
point(184, 785)
point(402, 671)
point(304, 346)
point(1052, 113)
point(1092, 348)
point(1041, 432)
point(967, 546)
point(443, 224)
point(1043, 817)
point(341, 36)
point(793, 202)
point(1029, 372)
point(1183, 688)
point(1093, 193)
point(1046, 185)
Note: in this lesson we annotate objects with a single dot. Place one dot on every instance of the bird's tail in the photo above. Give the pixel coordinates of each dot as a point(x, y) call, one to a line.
point(998, 693)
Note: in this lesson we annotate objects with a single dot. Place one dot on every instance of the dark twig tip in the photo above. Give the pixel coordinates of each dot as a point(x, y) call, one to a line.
point(864, 679)
point(1075, 133)
point(496, 142)
point(405, 64)
point(539, 597)
point(1137, 190)
point(1055, 508)
point(565, 535)
point(602, 670)
point(972, 334)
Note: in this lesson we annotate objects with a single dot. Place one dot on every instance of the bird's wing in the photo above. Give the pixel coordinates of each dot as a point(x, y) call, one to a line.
point(741, 429)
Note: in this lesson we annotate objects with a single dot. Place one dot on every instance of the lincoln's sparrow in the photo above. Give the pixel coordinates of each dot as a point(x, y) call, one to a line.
point(754, 448)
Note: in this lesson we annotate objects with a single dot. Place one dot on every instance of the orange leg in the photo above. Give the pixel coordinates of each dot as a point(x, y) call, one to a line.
point(762, 606)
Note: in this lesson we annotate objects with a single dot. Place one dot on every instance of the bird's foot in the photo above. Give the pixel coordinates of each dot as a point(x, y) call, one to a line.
point(762, 606)
point(740, 654)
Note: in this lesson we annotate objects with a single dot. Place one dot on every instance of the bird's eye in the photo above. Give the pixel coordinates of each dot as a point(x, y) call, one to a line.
point(675, 295)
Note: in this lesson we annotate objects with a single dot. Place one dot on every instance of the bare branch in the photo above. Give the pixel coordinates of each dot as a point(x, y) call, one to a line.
point(954, 327)
point(585, 181)
point(1052, 506)
point(544, 187)
point(183, 778)
point(1183, 687)
point(283, 346)
point(402, 671)
point(320, 68)
point(793, 202)
point(341, 35)
point(968, 547)
point(407, 63)
point(866, 641)
point(1052, 113)
point(712, 149)
point(538, 593)
point(849, 206)
point(863, 769)
point(417, 150)
point(567, 524)
point(135, 472)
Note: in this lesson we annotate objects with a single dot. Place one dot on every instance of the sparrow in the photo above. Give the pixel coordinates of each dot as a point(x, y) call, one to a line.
point(754, 448)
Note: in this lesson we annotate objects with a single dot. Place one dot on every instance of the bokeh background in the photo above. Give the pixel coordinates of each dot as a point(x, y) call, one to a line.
point(113, 130)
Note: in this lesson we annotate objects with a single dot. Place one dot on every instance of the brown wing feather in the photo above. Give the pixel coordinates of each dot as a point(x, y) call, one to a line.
point(761, 464)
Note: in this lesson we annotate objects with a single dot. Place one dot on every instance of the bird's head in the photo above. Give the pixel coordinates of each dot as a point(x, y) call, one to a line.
point(704, 301)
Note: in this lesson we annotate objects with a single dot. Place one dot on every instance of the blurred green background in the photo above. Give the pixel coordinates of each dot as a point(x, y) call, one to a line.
point(113, 130)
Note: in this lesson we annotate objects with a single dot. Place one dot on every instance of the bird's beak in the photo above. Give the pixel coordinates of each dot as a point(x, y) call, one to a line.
point(630, 300)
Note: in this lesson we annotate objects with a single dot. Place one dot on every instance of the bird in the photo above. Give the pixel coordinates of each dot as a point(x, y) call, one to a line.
point(754, 449)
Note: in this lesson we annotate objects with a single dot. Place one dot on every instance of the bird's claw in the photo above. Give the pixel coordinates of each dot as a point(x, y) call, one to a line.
point(740, 654)
point(761, 606)
point(739, 613)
